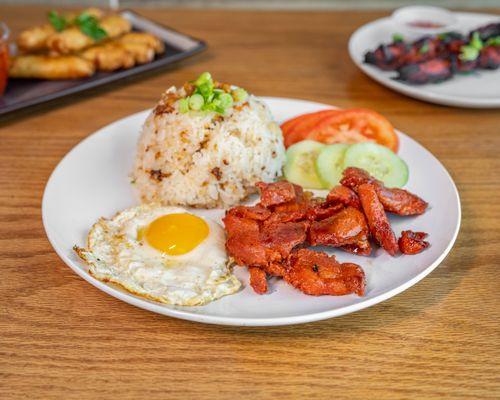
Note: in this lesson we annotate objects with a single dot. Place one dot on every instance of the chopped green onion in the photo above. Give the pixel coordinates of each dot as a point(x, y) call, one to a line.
point(208, 107)
point(183, 106)
point(476, 41)
point(216, 103)
point(207, 97)
point(203, 78)
point(397, 37)
point(196, 102)
point(214, 106)
point(494, 41)
point(218, 106)
point(424, 49)
point(205, 89)
point(468, 53)
point(226, 100)
point(210, 98)
point(240, 95)
point(471, 51)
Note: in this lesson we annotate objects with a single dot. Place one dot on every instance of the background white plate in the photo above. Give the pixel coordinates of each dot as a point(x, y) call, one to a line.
point(92, 181)
point(478, 90)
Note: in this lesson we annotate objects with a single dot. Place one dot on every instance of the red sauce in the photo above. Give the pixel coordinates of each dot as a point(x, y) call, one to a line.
point(425, 24)
point(4, 66)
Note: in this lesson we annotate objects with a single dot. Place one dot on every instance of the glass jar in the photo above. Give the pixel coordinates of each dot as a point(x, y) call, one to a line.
point(4, 56)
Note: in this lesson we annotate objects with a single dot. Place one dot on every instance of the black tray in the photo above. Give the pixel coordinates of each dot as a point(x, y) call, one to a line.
point(23, 93)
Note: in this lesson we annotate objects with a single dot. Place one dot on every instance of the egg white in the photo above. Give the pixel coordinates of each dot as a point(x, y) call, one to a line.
point(115, 254)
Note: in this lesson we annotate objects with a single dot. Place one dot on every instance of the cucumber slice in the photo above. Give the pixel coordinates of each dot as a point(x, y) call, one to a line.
point(378, 161)
point(330, 164)
point(300, 164)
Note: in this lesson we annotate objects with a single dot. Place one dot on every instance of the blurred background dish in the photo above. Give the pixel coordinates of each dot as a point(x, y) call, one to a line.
point(474, 90)
point(43, 70)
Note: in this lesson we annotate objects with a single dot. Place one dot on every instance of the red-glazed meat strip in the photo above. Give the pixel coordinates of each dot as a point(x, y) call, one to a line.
point(258, 280)
point(387, 57)
point(283, 237)
point(343, 195)
point(412, 242)
point(377, 219)
point(287, 212)
point(269, 238)
point(272, 194)
point(396, 201)
point(266, 245)
point(318, 209)
point(275, 269)
point(243, 240)
point(489, 58)
point(352, 177)
point(400, 201)
point(317, 274)
point(347, 227)
point(428, 71)
point(257, 212)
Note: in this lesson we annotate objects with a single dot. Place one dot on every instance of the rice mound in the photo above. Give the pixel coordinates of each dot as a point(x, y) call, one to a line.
point(204, 159)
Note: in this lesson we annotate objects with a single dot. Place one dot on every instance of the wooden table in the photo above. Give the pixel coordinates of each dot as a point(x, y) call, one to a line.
point(62, 338)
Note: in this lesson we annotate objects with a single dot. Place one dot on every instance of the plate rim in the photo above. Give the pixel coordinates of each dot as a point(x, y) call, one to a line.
point(237, 321)
point(413, 92)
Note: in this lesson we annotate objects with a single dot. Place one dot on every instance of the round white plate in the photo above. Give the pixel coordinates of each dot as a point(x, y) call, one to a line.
point(92, 181)
point(478, 90)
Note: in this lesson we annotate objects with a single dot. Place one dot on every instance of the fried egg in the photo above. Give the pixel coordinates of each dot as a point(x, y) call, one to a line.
point(166, 254)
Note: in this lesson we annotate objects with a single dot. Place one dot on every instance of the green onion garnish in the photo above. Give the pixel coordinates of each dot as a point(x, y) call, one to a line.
point(226, 100)
point(471, 51)
point(203, 78)
point(206, 97)
point(424, 49)
point(494, 41)
point(196, 102)
point(206, 89)
point(240, 95)
point(468, 53)
point(183, 106)
point(397, 37)
point(476, 41)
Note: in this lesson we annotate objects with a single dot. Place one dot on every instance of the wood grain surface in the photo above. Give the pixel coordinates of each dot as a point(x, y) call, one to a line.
point(61, 338)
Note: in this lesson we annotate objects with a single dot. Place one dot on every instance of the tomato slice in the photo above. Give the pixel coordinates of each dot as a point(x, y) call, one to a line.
point(354, 126)
point(341, 126)
point(296, 129)
point(347, 126)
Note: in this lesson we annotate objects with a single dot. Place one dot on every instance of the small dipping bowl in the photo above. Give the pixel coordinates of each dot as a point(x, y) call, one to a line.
point(4, 56)
point(414, 22)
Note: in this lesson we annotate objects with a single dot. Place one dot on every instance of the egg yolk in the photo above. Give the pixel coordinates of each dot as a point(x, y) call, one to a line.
point(175, 234)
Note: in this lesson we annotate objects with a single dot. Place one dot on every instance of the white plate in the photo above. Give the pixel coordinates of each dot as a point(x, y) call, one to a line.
point(478, 90)
point(92, 181)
